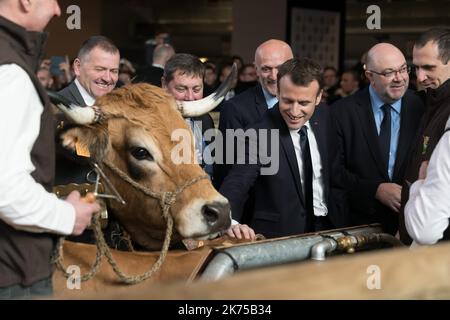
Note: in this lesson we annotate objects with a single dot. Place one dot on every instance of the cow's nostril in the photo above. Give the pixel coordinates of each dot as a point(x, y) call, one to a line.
point(211, 213)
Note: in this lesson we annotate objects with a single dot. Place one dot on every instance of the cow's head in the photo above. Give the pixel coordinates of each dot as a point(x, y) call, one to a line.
point(131, 128)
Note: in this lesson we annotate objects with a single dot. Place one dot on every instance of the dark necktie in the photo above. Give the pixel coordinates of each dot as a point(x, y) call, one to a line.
point(385, 134)
point(308, 177)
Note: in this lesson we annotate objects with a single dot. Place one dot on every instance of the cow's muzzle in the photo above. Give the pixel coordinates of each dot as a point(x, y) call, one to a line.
point(217, 215)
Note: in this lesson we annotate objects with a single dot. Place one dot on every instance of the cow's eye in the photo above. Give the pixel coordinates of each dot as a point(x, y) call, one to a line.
point(141, 154)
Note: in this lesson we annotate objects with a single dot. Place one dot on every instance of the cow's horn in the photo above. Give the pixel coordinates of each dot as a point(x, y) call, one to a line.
point(205, 105)
point(79, 115)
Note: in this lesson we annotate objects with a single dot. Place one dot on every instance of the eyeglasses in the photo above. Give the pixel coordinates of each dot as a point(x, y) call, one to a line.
point(392, 73)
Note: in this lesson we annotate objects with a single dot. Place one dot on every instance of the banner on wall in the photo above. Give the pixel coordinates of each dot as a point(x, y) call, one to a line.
point(316, 34)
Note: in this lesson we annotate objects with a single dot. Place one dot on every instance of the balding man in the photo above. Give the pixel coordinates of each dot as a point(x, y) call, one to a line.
point(295, 197)
point(153, 74)
point(250, 106)
point(375, 128)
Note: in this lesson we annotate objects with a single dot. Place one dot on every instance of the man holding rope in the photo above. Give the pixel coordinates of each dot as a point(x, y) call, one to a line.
point(29, 214)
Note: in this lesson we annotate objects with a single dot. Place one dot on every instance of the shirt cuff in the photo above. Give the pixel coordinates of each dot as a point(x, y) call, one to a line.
point(66, 213)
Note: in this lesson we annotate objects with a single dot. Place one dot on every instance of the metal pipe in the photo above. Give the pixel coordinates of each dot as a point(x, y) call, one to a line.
point(320, 250)
point(273, 251)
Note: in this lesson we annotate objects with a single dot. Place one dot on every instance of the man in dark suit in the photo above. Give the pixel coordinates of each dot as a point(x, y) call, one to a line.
point(292, 190)
point(153, 74)
point(97, 71)
point(251, 105)
point(375, 128)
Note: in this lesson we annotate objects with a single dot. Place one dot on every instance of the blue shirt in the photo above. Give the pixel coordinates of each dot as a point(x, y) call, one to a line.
point(270, 99)
point(395, 124)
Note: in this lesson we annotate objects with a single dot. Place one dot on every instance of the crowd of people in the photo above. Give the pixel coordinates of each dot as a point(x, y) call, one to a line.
point(361, 149)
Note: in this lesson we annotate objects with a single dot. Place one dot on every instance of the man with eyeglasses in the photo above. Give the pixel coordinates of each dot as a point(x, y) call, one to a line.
point(375, 128)
point(429, 223)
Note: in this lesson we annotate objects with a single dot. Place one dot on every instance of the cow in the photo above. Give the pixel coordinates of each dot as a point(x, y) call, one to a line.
point(128, 133)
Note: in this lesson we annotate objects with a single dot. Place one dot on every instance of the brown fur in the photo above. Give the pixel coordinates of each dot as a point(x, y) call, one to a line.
point(179, 266)
point(140, 113)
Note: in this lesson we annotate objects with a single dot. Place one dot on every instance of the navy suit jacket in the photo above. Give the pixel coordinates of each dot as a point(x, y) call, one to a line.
point(243, 109)
point(279, 205)
point(238, 113)
point(359, 164)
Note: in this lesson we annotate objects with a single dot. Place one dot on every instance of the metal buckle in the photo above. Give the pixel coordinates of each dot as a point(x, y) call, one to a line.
point(97, 188)
point(62, 191)
point(115, 195)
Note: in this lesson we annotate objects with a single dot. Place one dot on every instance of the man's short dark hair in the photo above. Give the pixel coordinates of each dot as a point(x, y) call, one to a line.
point(302, 72)
point(101, 42)
point(186, 64)
point(441, 36)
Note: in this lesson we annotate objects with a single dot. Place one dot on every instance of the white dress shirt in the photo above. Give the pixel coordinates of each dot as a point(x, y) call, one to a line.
point(25, 204)
point(427, 211)
point(320, 207)
point(84, 94)
point(157, 65)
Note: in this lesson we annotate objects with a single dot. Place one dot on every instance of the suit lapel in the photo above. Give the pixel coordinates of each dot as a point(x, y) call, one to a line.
point(365, 115)
point(406, 134)
point(288, 148)
point(76, 94)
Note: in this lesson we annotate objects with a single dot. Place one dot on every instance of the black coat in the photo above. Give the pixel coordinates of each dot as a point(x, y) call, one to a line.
point(237, 113)
point(279, 205)
point(359, 164)
point(431, 130)
point(150, 74)
point(243, 110)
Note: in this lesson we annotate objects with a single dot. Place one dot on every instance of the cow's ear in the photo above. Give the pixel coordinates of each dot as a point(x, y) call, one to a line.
point(92, 142)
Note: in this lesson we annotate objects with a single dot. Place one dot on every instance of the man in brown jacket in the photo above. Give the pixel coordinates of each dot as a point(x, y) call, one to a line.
point(30, 215)
point(431, 57)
